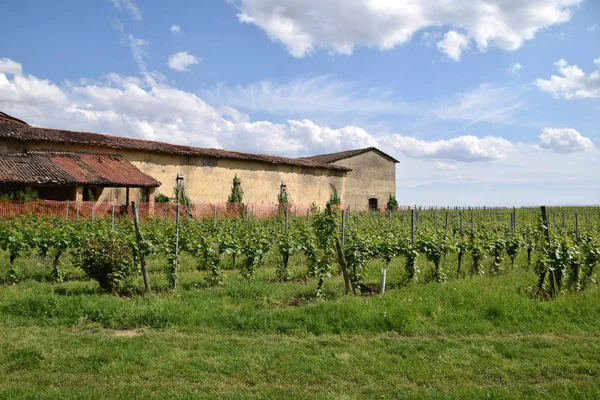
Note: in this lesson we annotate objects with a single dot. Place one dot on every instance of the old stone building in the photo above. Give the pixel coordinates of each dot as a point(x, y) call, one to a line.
point(63, 164)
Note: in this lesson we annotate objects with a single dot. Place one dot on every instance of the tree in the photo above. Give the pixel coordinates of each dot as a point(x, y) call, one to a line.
point(392, 203)
point(237, 194)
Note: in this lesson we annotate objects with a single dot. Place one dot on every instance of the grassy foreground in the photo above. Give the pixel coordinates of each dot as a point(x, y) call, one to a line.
point(481, 337)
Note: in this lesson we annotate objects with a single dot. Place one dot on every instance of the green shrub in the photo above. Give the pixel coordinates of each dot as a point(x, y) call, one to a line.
point(108, 259)
point(161, 198)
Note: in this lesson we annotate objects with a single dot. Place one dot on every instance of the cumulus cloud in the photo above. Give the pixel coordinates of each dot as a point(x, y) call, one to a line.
point(129, 6)
point(572, 83)
point(453, 44)
point(182, 60)
point(441, 166)
point(563, 140)
point(175, 29)
point(515, 68)
point(10, 67)
point(340, 25)
point(462, 148)
point(149, 107)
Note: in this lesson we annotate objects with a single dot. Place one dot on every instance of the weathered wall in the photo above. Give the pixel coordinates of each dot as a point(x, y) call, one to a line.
point(372, 176)
point(209, 179)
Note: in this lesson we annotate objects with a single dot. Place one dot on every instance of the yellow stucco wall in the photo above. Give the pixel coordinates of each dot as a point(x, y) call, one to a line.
point(372, 176)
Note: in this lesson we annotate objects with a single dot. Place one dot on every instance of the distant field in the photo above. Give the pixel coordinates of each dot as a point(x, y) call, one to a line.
point(479, 337)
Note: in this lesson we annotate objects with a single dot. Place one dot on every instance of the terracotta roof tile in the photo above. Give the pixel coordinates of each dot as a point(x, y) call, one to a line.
point(23, 132)
point(333, 157)
point(65, 168)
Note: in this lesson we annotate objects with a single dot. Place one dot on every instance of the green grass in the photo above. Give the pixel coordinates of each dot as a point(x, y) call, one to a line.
point(481, 337)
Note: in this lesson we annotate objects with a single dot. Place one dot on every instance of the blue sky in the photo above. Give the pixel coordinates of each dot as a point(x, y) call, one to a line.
point(483, 102)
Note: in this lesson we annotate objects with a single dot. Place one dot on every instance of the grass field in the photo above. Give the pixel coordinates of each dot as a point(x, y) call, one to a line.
point(481, 337)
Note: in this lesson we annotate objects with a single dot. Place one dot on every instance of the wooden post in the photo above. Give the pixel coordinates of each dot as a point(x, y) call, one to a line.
point(342, 262)
point(577, 227)
point(215, 215)
point(389, 211)
point(176, 262)
point(67, 216)
point(445, 232)
point(343, 227)
point(514, 219)
point(113, 217)
point(412, 226)
point(166, 210)
point(460, 223)
point(138, 237)
point(287, 226)
point(93, 207)
point(76, 211)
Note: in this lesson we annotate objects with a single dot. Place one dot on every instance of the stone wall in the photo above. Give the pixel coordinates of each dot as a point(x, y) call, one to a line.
point(372, 176)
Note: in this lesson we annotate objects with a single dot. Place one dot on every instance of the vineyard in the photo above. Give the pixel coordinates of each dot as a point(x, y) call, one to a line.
point(417, 303)
point(563, 249)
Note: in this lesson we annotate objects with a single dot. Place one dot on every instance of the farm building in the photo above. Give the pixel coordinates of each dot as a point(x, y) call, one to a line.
point(68, 165)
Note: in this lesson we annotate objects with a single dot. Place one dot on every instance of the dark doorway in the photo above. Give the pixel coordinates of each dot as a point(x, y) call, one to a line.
point(373, 204)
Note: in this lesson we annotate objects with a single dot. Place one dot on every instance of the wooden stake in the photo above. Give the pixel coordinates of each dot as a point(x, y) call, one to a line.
point(138, 237)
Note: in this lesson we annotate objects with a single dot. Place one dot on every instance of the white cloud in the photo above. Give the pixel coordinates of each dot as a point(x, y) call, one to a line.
point(130, 6)
point(326, 97)
point(453, 44)
point(313, 96)
point(441, 166)
point(514, 69)
point(573, 82)
point(462, 148)
point(149, 107)
point(340, 25)
point(593, 28)
point(182, 60)
point(175, 29)
point(563, 140)
point(484, 103)
point(10, 67)
point(138, 51)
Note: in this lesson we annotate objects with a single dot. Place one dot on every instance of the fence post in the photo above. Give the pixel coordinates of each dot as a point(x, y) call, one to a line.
point(287, 226)
point(176, 261)
point(67, 217)
point(514, 219)
point(215, 215)
point(343, 227)
point(412, 226)
point(113, 217)
point(167, 210)
point(461, 226)
point(138, 237)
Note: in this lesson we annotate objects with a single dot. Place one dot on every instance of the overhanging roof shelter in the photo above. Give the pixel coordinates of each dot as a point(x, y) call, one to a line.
point(55, 168)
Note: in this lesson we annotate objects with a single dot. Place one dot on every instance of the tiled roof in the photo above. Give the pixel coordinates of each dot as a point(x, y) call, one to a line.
point(333, 157)
point(9, 118)
point(77, 169)
point(23, 133)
